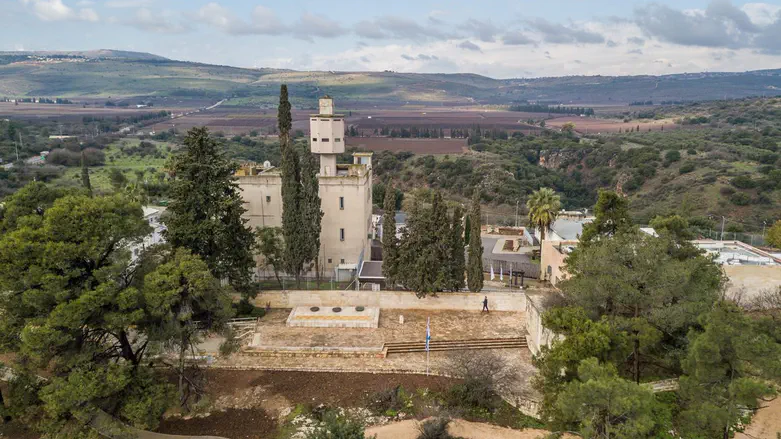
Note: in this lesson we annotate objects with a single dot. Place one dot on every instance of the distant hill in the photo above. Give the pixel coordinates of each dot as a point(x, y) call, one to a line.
point(104, 73)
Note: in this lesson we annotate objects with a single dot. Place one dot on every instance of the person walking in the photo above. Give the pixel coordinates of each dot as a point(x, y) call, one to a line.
point(485, 304)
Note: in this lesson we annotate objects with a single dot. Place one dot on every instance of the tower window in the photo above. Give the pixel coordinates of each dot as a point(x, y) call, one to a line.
point(314, 139)
point(330, 260)
point(342, 261)
point(337, 140)
point(341, 234)
point(268, 198)
point(341, 203)
point(325, 139)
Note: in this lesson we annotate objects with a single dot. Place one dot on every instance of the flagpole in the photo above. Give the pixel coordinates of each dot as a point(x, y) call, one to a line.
point(428, 338)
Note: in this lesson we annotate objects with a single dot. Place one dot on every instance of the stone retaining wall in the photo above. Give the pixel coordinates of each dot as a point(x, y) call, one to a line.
point(497, 301)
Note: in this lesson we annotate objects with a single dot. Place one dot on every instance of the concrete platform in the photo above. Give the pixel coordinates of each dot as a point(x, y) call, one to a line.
point(334, 317)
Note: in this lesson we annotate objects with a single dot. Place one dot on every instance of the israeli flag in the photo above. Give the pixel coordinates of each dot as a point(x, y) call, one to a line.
point(492, 271)
point(428, 332)
point(501, 272)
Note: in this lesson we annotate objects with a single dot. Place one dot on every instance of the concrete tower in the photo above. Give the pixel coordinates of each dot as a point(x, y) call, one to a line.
point(327, 131)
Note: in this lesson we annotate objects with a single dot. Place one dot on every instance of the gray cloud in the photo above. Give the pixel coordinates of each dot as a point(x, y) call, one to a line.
point(392, 27)
point(468, 45)
point(635, 40)
point(263, 21)
point(482, 30)
point(611, 43)
point(635, 52)
point(311, 25)
point(516, 39)
point(559, 34)
point(721, 25)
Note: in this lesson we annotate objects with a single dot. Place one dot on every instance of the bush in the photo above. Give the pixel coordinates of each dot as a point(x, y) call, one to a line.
point(740, 199)
point(66, 157)
point(482, 374)
point(672, 156)
point(246, 309)
point(743, 182)
point(338, 427)
point(687, 167)
point(390, 402)
point(435, 428)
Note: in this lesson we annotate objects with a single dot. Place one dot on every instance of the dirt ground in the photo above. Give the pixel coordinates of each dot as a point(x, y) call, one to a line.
point(766, 423)
point(459, 428)
point(588, 125)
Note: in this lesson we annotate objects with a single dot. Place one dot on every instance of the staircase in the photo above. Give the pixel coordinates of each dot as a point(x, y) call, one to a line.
point(455, 345)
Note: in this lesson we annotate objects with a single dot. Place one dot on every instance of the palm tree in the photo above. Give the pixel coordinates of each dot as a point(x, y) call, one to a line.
point(544, 206)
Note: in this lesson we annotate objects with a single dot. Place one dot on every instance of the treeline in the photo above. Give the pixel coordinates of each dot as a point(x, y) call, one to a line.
point(134, 119)
point(551, 109)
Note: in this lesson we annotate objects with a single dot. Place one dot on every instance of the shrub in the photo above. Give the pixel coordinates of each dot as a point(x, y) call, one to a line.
point(740, 199)
point(743, 182)
point(246, 309)
point(482, 374)
point(435, 428)
point(687, 167)
point(672, 156)
point(390, 401)
point(727, 191)
point(338, 427)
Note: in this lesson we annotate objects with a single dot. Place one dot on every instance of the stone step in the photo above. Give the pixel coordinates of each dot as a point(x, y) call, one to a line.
point(455, 345)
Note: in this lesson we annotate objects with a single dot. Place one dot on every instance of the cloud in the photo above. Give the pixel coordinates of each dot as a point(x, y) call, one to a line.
point(710, 28)
point(311, 25)
point(420, 57)
point(126, 3)
point(559, 34)
point(393, 27)
point(611, 43)
point(547, 55)
point(160, 22)
point(468, 45)
point(263, 21)
point(484, 31)
point(56, 10)
point(635, 52)
point(517, 39)
point(635, 40)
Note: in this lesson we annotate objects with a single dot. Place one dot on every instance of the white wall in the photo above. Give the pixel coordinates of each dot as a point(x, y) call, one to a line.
point(539, 336)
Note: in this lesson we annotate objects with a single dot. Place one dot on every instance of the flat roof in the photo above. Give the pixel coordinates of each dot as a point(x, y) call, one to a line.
point(737, 253)
point(570, 229)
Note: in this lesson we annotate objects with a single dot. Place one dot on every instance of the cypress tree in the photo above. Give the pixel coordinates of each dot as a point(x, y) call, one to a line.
point(390, 243)
point(439, 244)
point(85, 174)
point(475, 263)
point(293, 228)
point(310, 209)
point(457, 258)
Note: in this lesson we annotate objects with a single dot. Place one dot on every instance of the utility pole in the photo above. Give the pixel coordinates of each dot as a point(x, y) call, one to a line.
point(723, 219)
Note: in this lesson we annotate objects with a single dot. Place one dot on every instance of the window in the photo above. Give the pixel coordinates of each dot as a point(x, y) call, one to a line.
point(324, 139)
point(341, 203)
point(313, 120)
point(330, 260)
point(268, 198)
point(341, 234)
point(314, 139)
point(342, 261)
point(337, 140)
point(337, 120)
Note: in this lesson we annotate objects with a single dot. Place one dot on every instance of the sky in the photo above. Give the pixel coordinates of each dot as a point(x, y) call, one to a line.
point(500, 39)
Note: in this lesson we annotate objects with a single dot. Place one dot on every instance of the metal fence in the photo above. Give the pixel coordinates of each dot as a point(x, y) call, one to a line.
point(754, 239)
point(508, 268)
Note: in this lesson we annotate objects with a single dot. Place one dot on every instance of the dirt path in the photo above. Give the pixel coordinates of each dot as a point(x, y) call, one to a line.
point(766, 424)
point(460, 428)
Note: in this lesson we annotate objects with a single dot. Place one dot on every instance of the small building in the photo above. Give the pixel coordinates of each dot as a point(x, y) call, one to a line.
point(750, 271)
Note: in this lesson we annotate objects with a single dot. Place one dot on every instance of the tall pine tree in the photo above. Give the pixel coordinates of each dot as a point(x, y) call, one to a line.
point(456, 250)
point(390, 243)
point(475, 264)
point(205, 213)
point(439, 243)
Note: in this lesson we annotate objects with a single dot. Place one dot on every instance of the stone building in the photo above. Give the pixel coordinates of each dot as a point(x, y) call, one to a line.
point(345, 194)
